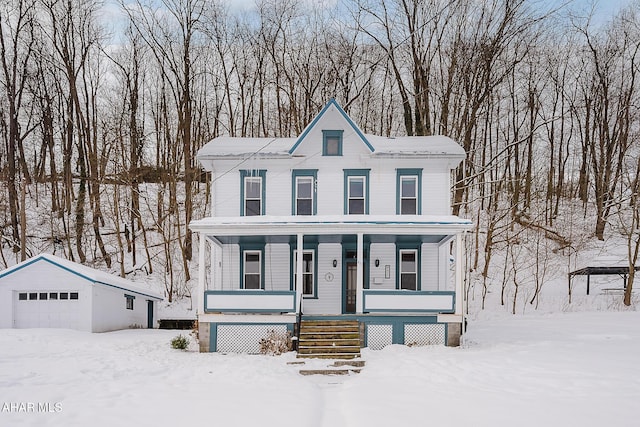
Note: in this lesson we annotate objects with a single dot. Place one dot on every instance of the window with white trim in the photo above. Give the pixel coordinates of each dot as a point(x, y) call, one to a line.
point(408, 259)
point(252, 269)
point(308, 267)
point(409, 195)
point(304, 195)
point(252, 195)
point(356, 198)
point(408, 191)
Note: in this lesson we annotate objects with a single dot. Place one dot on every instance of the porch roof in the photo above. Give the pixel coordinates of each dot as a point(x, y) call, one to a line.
point(378, 227)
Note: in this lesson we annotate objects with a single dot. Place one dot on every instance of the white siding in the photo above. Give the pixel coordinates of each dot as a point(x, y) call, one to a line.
point(110, 312)
point(329, 299)
point(429, 268)
point(277, 267)
point(44, 276)
point(386, 253)
point(230, 267)
point(99, 308)
point(225, 191)
point(382, 190)
point(436, 193)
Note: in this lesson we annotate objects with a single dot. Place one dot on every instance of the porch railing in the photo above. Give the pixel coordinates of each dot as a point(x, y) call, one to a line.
point(386, 301)
point(249, 301)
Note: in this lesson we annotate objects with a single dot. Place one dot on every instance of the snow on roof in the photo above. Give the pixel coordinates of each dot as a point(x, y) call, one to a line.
point(88, 273)
point(335, 224)
point(432, 146)
point(227, 146)
point(436, 145)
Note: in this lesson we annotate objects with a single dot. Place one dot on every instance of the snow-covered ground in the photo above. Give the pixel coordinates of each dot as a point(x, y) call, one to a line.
point(527, 370)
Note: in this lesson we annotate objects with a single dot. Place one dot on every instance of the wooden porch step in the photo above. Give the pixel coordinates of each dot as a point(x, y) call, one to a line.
point(329, 339)
point(323, 335)
point(329, 371)
point(330, 322)
point(329, 356)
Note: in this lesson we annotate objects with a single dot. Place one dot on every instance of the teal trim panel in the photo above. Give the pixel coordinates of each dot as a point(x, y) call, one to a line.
point(447, 310)
point(282, 309)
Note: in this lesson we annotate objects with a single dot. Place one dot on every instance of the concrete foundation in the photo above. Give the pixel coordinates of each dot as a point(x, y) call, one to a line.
point(454, 330)
point(203, 336)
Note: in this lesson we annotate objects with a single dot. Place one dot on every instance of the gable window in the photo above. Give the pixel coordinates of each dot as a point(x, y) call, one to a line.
point(253, 192)
point(408, 268)
point(332, 142)
point(308, 272)
point(356, 191)
point(129, 301)
point(252, 269)
point(408, 188)
point(304, 192)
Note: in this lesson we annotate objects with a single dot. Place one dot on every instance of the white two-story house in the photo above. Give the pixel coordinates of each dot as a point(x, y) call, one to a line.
point(333, 224)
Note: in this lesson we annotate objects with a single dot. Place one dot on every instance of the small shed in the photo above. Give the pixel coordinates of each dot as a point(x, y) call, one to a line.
point(50, 292)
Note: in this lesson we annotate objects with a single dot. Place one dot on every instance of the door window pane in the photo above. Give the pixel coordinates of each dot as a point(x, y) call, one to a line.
point(409, 269)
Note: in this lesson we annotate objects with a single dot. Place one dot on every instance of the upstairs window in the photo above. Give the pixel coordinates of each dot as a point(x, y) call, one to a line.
point(409, 189)
point(304, 192)
point(332, 142)
point(253, 192)
point(356, 191)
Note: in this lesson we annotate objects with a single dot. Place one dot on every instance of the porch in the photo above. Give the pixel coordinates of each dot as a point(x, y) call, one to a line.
point(380, 270)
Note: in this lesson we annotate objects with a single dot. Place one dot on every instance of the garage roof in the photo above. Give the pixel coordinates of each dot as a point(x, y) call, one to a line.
point(90, 274)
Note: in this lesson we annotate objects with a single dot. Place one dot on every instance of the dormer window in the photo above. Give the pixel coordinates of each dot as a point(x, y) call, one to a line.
point(332, 142)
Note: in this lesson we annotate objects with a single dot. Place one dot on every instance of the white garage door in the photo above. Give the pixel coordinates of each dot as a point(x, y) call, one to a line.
point(46, 309)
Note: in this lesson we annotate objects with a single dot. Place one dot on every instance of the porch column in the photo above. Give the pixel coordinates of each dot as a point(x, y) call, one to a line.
point(201, 273)
point(360, 274)
point(459, 283)
point(299, 258)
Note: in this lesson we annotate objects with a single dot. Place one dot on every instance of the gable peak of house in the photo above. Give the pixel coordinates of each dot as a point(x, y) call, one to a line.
point(318, 119)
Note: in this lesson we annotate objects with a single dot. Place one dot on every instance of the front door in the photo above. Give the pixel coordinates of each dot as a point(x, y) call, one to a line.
point(352, 272)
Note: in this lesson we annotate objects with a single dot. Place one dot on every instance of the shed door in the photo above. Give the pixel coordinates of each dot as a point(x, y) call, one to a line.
point(45, 309)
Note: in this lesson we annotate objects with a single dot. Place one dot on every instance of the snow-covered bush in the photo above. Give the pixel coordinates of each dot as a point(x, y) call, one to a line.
point(276, 343)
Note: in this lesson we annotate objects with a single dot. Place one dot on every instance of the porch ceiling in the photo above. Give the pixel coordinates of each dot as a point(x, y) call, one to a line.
point(331, 238)
point(334, 228)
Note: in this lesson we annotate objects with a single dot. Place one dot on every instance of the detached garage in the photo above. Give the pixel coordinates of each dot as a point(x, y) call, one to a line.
point(50, 292)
